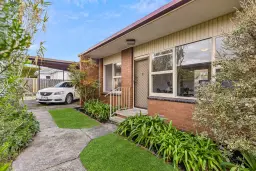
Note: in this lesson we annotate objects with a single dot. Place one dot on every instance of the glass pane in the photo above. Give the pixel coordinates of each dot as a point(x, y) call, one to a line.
point(117, 69)
point(194, 67)
point(108, 77)
point(162, 61)
point(221, 51)
point(162, 83)
point(117, 82)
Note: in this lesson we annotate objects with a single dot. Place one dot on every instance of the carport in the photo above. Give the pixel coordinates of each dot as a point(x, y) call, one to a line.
point(50, 63)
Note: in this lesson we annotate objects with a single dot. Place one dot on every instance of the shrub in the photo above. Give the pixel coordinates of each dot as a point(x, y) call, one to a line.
point(248, 163)
point(230, 112)
point(19, 126)
point(193, 152)
point(97, 110)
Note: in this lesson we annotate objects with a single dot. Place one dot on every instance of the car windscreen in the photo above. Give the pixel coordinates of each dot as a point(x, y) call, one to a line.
point(64, 84)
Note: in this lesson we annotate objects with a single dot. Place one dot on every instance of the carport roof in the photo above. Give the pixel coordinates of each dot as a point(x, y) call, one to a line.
point(51, 63)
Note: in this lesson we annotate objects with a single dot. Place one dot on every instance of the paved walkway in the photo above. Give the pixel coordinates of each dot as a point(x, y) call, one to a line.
point(56, 149)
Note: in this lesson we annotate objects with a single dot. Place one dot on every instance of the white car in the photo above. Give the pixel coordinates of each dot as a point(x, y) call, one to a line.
point(62, 92)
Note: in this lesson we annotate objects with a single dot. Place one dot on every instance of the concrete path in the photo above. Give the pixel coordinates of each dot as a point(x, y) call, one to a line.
point(56, 149)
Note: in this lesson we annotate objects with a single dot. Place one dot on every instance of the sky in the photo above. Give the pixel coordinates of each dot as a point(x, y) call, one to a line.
point(76, 25)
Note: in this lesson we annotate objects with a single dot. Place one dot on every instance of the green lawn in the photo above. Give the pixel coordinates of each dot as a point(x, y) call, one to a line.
point(115, 153)
point(71, 118)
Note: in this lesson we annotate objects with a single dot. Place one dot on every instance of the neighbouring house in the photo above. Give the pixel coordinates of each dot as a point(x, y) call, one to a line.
point(50, 73)
point(158, 62)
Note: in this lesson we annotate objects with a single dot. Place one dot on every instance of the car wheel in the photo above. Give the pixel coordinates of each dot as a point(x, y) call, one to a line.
point(69, 99)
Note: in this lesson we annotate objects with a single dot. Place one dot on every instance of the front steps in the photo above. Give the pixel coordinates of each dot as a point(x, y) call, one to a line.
point(121, 115)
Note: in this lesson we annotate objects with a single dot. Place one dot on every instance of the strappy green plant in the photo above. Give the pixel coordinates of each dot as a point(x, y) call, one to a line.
point(179, 148)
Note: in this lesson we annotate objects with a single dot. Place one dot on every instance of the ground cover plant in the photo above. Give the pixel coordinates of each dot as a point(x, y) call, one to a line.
point(97, 110)
point(18, 126)
point(71, 118)
point(179, 148)
point(115, 153)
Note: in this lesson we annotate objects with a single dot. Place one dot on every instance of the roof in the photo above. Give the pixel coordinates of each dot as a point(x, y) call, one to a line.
point(175, 16)
point(148, 18)
point(51, 63)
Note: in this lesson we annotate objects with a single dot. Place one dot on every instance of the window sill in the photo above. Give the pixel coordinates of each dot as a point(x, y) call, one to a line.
point(173, 99)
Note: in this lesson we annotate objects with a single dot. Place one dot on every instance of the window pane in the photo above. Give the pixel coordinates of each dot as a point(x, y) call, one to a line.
point(194, 66)
point(108, 77)
point(162, 83)
point(117, 69)
point(221, 52)
point(162, 61)
point(117, 82)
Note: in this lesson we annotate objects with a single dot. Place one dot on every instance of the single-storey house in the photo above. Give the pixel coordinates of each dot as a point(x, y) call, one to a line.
point(158, 62)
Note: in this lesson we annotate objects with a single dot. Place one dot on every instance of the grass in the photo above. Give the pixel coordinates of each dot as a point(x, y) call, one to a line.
point(73, 119)
point(115, 153)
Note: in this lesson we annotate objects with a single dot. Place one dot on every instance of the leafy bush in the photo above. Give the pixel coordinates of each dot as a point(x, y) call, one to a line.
point(193, 152)
point(97, 110)
point(19, 126)
point(248, 163)
point(229, 111)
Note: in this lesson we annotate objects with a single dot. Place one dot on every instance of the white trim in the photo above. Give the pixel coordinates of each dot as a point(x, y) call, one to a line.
point(113, 76)
point(151, 73)
point(213, 71)
point(142, 57)
point(175, 74)
point(162, 72)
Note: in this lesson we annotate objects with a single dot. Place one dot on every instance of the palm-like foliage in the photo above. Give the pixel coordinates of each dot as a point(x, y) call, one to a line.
point(180, 148)
point(97, 110)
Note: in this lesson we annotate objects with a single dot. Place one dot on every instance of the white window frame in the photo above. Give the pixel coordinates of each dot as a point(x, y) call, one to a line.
point(113, 77)
point(174, 71)
point(151, 73)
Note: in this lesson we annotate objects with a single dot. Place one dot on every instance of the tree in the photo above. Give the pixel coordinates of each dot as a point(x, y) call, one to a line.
point(227, 106)
point(85, 84)
point(29, 72)
point(19, 22)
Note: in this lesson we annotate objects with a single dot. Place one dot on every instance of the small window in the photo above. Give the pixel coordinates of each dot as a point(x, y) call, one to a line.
point(112, 77)
point(161, 72)
point(108, 77)
point(48, 77)
point(162, 61)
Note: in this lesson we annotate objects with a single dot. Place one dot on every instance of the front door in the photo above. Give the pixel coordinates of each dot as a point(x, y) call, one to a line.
point(141, 83)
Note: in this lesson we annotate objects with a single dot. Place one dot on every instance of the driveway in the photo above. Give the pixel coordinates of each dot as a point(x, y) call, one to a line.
point(56, 149)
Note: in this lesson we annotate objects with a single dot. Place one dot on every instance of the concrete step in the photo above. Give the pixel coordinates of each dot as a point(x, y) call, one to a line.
point(116, 119)
point(131, 112)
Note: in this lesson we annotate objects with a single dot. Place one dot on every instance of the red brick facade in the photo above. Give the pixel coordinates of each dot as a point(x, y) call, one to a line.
point(127, 72)
point(179, 113)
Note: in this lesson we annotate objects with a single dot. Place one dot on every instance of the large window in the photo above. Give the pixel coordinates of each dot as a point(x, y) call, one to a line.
point(193, 66)
point(161, 72)
point(179, 71)
point(112, 77)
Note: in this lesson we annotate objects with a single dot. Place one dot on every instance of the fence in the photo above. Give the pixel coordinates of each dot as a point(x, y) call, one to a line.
point(32, 84)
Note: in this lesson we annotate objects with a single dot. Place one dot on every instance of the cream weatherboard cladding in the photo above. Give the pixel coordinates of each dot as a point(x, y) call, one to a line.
point(211, 28)
point(116, 58)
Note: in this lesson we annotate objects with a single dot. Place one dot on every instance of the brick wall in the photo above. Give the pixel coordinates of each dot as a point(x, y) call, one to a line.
point(179, 113)
point(127, 72)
